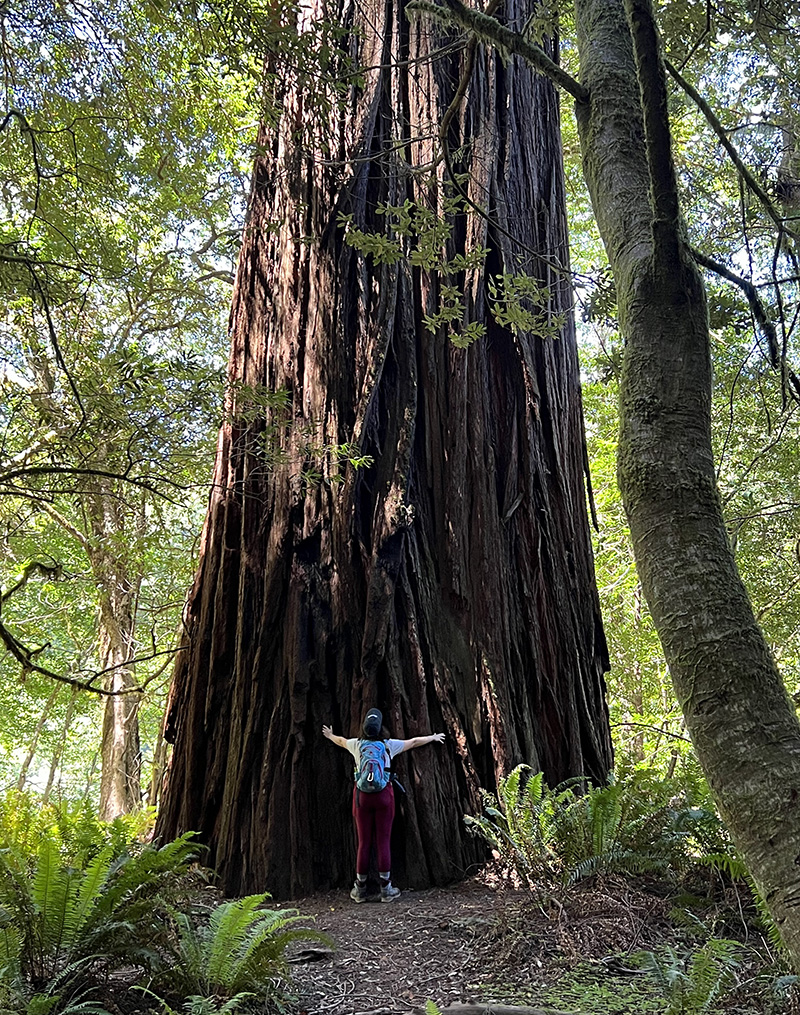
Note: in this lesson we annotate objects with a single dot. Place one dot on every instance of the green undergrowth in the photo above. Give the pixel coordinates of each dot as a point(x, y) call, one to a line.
point(718, 978)
point(584, 989)
point(591, 990)
point(82, 902)
point(679, 977)
point(712, 945)
point(550, 840)
point(73, 825)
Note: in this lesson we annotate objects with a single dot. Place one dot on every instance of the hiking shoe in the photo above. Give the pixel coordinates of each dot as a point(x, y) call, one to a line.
point(389, 893)
point(358, 894)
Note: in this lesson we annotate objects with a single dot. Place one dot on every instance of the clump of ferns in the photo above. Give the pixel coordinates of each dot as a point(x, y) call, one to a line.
point(57, 918)
point(237, 953)
point(554, 838)
point(694, 983)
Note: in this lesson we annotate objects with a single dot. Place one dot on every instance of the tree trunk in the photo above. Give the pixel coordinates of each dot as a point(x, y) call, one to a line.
point(159, 766)
point(120, 775)
point(58, 750)
point(740, 719)
point(40, 725)
point(106, 530)
point(450, 582)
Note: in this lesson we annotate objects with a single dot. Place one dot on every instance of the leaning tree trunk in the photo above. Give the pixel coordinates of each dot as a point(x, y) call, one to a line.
point(741, 721)
point(450, 582)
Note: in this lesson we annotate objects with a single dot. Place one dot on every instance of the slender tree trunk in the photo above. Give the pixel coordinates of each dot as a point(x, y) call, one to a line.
point(120, 791)
point(58, 750)
point(451, 581)
point(87, 789)
point(105, 531)
point(638, 688)
point(120, 775)
point(26, 764)
point(159, 768)
point(737, 711)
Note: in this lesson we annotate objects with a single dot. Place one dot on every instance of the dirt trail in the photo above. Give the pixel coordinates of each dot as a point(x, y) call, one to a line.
point(392, 958)
point(470, 941)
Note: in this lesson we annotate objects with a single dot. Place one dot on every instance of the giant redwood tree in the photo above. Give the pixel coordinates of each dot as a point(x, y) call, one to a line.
point(449, 578)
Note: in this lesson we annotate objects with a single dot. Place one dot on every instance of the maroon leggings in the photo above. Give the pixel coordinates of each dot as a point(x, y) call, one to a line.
point(374, 814)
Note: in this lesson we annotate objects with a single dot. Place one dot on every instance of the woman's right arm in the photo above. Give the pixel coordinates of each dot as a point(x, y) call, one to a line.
point(339, 741)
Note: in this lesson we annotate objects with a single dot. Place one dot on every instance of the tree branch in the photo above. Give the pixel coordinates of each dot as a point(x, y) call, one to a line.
point(749, 179)
point(61, 470)
point(25, 656)
point(756, 306)
point(66, 525)
point(658, 139)
point(489, 29)
point(47, 570)
point(655, 729)
point(51, 330)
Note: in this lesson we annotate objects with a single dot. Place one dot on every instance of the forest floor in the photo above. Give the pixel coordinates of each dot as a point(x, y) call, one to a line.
point(483, 942)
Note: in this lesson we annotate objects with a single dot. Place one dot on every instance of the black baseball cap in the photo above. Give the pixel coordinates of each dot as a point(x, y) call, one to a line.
point(373, 721)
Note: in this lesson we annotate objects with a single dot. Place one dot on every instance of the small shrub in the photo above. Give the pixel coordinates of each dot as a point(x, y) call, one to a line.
point(694, 983)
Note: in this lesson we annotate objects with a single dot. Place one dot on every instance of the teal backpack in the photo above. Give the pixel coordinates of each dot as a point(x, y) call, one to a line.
point(373, 773)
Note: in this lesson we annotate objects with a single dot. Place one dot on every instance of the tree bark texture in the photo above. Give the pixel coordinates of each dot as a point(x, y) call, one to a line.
point(451, 582)
point(740, 719)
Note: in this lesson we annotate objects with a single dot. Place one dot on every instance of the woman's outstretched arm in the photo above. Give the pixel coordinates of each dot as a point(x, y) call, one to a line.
point(339, 741)
point(421, 741)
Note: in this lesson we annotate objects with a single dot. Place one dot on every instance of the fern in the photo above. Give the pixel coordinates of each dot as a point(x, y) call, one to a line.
point(55, 998)
point(50, 894)
point(56, 917)
point(695, 982)
point(199, 1004)
point(553, 838)
point(74, 827)
point(89, 891)
point(231, 936)
point(242, 948)
point(765, 917)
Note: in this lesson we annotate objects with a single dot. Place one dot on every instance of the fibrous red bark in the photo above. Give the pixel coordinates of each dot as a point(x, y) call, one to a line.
point(450, 582)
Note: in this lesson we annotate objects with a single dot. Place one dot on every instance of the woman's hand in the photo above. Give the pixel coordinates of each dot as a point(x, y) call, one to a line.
point(438, 737)
point(339, 741)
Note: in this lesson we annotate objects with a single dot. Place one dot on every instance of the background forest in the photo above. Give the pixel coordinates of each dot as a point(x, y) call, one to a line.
point(126, 141)
point(124, 187)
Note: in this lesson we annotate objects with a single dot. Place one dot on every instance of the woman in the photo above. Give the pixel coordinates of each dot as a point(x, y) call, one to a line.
point(374, 811)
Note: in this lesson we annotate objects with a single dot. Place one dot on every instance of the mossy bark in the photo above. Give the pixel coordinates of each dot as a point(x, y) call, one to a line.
point(740, 719)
